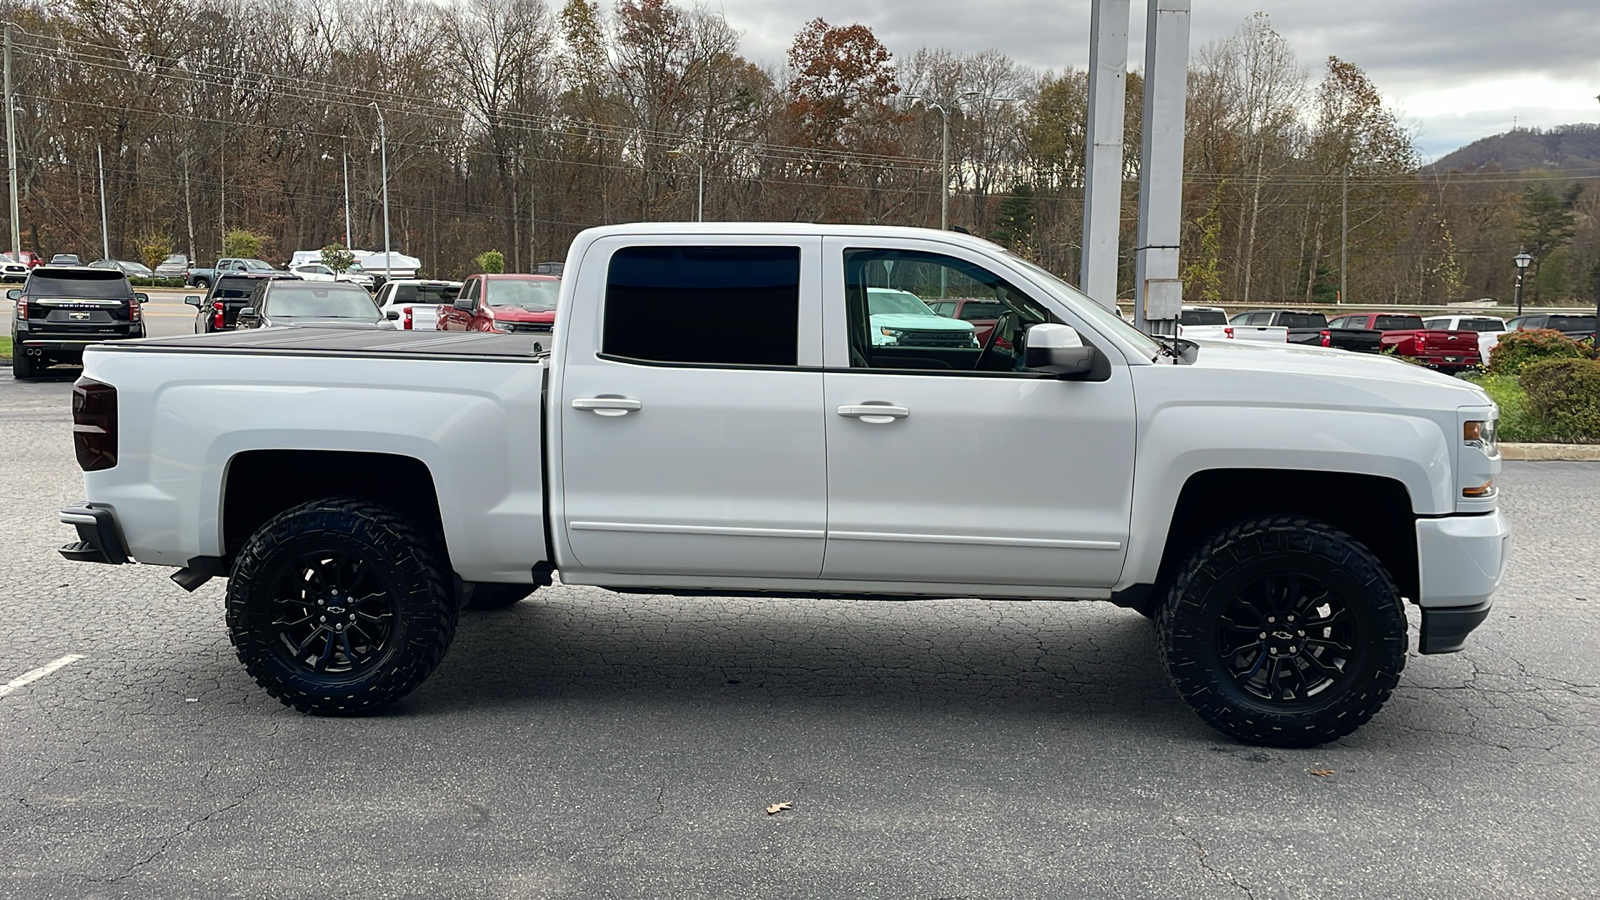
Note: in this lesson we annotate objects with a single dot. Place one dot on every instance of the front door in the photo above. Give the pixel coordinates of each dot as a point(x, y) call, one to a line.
point(692, 443)
point(947, 462)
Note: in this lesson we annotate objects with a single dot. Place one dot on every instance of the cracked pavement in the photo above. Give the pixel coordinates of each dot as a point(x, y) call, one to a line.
point(590, 744)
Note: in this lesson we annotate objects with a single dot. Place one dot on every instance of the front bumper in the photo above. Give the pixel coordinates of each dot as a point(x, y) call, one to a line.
point(99, 539)
point(1461, 561)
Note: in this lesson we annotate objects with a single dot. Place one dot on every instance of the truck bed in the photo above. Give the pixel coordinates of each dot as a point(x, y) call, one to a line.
point(319, 341)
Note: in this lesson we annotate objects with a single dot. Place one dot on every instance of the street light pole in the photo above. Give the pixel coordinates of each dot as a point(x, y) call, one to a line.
point(345, 163)
point(944, 162)
point(1522, 260)
point(105, 233)
point(383, 146)
point(700, 196)
point(11, 155)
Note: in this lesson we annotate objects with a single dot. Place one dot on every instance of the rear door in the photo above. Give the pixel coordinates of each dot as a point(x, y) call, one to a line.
point(692, 442)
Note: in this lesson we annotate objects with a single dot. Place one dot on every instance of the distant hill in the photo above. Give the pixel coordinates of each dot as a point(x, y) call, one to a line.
point(1560, 148)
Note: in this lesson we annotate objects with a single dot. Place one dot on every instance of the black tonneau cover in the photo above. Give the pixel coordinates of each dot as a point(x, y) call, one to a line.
point(306, 340)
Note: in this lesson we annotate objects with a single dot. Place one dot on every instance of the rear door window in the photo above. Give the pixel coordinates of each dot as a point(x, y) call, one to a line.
point(1303, 320)
point(704, 305)
point(1398, 323)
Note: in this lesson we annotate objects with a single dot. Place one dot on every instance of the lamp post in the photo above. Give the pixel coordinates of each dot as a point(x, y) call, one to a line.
point(383, 145)
point(944, 162)
point(1522, 260)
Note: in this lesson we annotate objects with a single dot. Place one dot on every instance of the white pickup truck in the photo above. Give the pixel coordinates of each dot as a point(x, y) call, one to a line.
point(1270, 506)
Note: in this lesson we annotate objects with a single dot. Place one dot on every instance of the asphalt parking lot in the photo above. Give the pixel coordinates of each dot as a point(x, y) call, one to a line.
point(587, 744)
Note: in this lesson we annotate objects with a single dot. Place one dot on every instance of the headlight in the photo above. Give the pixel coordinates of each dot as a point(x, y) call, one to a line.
point(891, 332)
point(1482, 434)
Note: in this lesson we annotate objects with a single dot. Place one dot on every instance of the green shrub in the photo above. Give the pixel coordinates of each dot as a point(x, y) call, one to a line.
point(489, 262)
point(337, 258)
point(1517, 349)
point(141, 281)
point(1564, 398)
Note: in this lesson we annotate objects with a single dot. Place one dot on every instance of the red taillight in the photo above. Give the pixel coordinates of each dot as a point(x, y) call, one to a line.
point(22, 309)
point(1327, 339)
point(1228, 331)
point(94, 424)
point(408, 318)
point(135, 310)
point(216, 315)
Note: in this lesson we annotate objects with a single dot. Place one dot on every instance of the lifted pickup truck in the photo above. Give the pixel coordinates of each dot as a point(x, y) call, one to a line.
point(1271, 507)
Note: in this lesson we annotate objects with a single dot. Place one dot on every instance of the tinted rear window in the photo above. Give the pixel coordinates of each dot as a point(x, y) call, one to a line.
point(1397, 323)
point(426, 293)
point(1571, 323)
point(1202, 317)
point(86, 285)
point(234, 288)
point(1303, 320)
point(728, 305)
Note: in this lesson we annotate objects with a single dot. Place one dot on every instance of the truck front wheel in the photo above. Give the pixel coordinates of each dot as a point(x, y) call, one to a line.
point(1283, 631)
point(338, 607)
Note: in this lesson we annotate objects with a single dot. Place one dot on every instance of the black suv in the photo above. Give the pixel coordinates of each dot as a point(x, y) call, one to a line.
point(219, 308)
point(61, 309)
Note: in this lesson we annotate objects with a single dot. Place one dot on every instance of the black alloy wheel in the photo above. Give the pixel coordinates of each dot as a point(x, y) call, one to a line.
point(1282, 631)
point(340, 606)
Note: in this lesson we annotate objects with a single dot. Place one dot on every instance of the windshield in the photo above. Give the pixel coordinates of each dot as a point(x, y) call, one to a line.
point(98, 285)
point(535, 295)
point(888, 301)
point(319, 300)
point(1083, 305)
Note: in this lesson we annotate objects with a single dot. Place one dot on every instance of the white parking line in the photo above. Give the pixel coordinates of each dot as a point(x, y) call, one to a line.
point(30, 677)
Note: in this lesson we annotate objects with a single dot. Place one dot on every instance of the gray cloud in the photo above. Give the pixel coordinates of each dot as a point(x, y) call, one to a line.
point(1408, 47)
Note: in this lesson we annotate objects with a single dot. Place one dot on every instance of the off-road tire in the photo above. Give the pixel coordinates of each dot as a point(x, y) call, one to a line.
point(399, 621)
point(483, 596)
point(22, 366)
point(1356, 626)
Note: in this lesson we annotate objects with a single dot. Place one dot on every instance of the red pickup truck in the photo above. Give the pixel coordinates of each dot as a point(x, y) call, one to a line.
point(1406, 335)
point(503, 304)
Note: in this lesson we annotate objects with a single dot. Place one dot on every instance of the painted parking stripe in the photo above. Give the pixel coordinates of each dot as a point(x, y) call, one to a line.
point(30, 677)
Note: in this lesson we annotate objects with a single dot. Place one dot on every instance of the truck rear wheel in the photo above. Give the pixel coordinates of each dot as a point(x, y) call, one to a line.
point(338, 607)
point(1283, 631)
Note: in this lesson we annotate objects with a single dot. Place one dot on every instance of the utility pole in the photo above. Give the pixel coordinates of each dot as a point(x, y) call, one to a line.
point(1102, 190)
point(11, 156)
point(383, 144)
point(1344, 226)
point(105, 232)
point(345, 158)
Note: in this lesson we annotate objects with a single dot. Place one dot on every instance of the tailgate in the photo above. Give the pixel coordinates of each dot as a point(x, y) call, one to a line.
point(1449, 343)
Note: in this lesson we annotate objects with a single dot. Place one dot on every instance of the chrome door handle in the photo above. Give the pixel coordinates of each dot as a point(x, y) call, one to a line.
point(874, 413)
point(607, 406)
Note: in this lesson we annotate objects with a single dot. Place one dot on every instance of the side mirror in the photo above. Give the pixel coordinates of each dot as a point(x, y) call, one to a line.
point(393, 315)
point(249, 312)
point(14, 294)
point(192, 300)
point(142, 298)
point(1059, 350)
point(462, 303)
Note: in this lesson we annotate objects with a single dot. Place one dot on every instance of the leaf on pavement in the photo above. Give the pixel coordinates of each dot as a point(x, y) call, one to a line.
point(1323, 773)
point(776, 808)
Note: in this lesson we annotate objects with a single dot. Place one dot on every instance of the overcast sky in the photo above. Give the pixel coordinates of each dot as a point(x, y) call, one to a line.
point(1456, 70)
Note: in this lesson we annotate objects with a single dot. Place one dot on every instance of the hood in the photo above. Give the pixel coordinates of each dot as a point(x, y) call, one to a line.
point(521, 314)
point(920, 323)
point(1298, 374)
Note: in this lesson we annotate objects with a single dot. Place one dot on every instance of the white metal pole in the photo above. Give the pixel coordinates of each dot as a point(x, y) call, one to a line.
point(1166, 62)
point(11, 156)
point(944, 169)
point(383, 145)
point(1102, 192)
point(105, 232)
point(1344, 226)
point(700, 201)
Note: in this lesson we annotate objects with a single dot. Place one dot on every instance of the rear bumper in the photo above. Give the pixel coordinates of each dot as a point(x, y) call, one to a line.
point(1461, 561)
point(99, 539)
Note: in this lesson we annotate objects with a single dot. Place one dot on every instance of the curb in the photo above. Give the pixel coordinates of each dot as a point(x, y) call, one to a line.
point(1551, 452)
